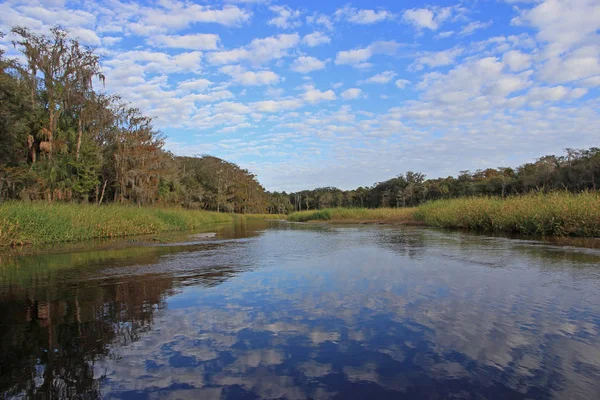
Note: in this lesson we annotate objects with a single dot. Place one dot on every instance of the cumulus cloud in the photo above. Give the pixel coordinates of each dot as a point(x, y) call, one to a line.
point(402, 83)
point(198, 41)
point(250, 78)
point(381, 78)
point(427, 18)
point(286, 17)
point(362, 17)
point(306, 64)
point(470, 28)
point(315, 39)
point(436, 59)
point(358, 57)
point(258, 51)
point(516, 60)
point(351, 94)
point(314, 95)
point(320, 19)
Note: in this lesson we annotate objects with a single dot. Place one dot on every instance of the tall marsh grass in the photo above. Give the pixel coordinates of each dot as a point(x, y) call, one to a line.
point(352, 215)
point(552, 214)
point(38, 223)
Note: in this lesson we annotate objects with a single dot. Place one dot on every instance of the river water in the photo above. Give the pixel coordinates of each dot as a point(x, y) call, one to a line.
point(278, 310)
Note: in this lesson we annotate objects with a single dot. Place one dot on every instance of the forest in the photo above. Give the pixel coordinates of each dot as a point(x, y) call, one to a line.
point(62, 138)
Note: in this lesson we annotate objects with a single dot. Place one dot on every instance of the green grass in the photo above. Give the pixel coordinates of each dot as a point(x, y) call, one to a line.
point(552, 214)
point(356, 215)
point(546, 214)
point(40, 223)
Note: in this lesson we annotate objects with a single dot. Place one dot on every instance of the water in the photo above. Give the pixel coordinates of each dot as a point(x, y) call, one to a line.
point(277, 310)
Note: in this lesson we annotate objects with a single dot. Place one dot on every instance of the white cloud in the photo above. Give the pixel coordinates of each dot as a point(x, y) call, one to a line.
point(194, 85)
point(351, 94)
point(250, 78)
point(427, 18)
point(474, 26)
point(272, 106)
point(381, 78)
point(178, 15)
point(198, 41)
point(444, 35)
point(543, 94)
point(286, 17)
point(313, 95)
point(110, 40)
point(359, 57)
point(306, 64)
point(315, 39)
point(234, 128)
point(562, 23)
point(516, 60)
point(320, 19)
point(362, 17)
point(580, 63)
point(402, 83)
point(436, 59)
point(258, 51)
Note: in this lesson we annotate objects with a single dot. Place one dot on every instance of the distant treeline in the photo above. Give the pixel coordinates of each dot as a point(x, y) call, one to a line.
point(62, 140)
point(575, 171)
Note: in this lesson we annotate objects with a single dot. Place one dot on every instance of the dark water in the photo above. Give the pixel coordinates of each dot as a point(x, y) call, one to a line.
point(275, 310)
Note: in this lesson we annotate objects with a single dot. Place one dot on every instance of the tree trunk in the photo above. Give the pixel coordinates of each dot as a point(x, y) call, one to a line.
point(102, 195)
point(79, 135)
point(50, 132)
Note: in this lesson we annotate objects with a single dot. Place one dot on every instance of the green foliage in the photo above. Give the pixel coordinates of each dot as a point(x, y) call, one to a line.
point(60, 140)
point(356, 215)
point(303, 216)
point(37, 222)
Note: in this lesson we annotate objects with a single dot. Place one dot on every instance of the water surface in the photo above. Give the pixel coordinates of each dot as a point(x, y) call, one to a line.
point(278, 310)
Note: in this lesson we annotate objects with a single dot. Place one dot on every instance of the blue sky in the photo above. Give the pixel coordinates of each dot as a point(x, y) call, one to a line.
point(335, 93)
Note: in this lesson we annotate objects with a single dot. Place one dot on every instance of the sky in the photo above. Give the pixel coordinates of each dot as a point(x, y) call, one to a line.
point(333, 93)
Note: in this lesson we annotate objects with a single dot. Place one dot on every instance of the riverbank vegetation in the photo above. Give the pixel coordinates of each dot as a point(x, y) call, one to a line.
point(357, 215)
point(552, 214)
point(39, 223)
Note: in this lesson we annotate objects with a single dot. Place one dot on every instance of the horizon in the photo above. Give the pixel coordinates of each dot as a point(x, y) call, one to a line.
point(308, 95)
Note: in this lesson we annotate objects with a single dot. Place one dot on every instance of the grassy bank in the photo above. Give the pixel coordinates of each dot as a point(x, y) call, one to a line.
point(42, 223)
point(357, 215)
point(553, 214)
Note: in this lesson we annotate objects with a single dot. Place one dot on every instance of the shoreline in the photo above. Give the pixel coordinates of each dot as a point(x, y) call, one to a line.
point(557, 214)
point(36, 223)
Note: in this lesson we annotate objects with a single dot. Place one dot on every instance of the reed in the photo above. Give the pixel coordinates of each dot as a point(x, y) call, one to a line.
point(545, 214)
point(551, 214)
point(38, 223)
point(356, 215)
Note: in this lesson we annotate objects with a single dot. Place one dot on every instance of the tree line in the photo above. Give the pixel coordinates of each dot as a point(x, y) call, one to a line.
point(61, 139)
point(575, 171)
